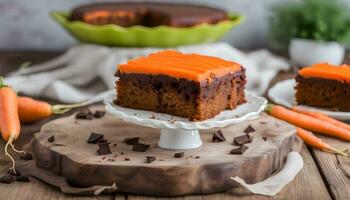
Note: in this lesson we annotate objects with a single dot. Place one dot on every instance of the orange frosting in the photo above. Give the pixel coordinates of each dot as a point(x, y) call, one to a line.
point(175, 64)
point(90, 16)
point(327, 71)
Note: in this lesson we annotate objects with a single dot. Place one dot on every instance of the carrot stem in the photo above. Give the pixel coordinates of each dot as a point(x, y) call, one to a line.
point(2, 82)
point(338, 151)
point(61, 108)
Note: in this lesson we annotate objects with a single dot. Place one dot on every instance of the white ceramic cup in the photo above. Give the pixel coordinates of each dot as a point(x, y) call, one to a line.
point(305, 52)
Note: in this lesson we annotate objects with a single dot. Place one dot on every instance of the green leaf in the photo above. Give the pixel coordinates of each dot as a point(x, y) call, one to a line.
point(322, 20)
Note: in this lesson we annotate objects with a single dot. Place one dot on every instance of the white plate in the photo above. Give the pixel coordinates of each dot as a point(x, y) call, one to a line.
point(250, 110)
point(283, 93)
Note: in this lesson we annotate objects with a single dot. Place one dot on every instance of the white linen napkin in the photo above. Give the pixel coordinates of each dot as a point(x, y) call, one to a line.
point(87, 70)
point(274, 184)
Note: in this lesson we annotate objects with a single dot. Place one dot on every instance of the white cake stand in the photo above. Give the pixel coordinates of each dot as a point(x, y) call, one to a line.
point(180, 133)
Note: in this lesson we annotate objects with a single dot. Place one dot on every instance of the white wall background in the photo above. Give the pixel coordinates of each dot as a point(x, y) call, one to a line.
point(26, 25)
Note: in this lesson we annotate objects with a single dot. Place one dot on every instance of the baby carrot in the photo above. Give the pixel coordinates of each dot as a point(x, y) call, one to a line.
point(31, 110)
point(9, 121)
point(311, 140)
point(321, 116)
point(307, 122)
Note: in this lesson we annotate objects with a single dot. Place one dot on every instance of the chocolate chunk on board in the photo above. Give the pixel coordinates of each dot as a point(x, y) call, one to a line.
point(51, 139)
point(131, 141)
point(179, 155)
point(127, 159)
point(85, 114)
point(264, 138)
point(7, 179)
point(249, 129)
point(240, 150)
point(26, 156)
point(102, 141)
point(150, 159)
point(218, 136)
point(22, 178)
point(242, 139)
point(103, 148)
point(94, 138)
point(99, 114)
point(139, 147)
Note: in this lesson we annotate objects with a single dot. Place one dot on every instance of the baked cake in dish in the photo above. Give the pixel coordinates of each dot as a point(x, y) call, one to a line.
point(324, 85)
point(147, 14)
point(193, 86)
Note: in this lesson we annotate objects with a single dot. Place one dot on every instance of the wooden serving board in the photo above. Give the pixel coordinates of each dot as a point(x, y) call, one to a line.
point(72, 157)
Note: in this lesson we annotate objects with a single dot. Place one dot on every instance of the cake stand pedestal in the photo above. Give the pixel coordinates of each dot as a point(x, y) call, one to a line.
point(179, 139)
point(180, 133)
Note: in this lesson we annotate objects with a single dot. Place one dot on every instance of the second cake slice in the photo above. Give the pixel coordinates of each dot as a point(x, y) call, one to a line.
point(193, 86)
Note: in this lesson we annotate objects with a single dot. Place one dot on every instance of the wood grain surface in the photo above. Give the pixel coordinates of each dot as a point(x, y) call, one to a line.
point(72, 157)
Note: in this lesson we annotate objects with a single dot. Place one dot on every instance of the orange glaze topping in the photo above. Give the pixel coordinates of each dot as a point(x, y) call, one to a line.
point(175, 64)
point(95, 15)
point(327, 71)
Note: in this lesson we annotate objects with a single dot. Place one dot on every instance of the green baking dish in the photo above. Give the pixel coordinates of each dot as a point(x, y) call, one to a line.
point(142, 36)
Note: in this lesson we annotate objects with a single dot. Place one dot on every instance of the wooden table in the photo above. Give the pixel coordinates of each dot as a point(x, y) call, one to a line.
point(324, 176)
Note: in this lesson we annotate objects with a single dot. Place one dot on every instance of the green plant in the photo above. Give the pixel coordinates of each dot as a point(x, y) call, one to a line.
point(321, 20)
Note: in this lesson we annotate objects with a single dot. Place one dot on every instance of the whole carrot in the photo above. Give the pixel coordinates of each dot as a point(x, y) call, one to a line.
point(31, 110)
point(9, 121)
point(311, 140)
point(322, 116)
point(307, 122)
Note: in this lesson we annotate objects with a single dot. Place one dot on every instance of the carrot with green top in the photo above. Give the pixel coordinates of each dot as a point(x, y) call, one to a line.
point(31, 110)
point(308, 122)
point(10, 126)
point(313, 141)
point(322, 116)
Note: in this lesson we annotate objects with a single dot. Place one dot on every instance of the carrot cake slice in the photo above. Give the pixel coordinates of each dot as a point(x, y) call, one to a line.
point(193, 86)
point(147, 14)
point(324, 85)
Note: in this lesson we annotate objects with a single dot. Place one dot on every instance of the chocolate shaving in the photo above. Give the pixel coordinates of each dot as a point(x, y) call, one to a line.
point(249, 129)
point(26, 156)
point(131, 141)
point(94, 138)
point(51, 139)
point(243, 139)
point(99, 114)
point(127, 159)
point(58, 144)
point(150, 159)
point(264, 138)
point(139, 147)
point(218, 136)
point(22, 178)
point(104, 148)
point(197, 157)
point(179, 155)
point(7, 179)
point(240, 150)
